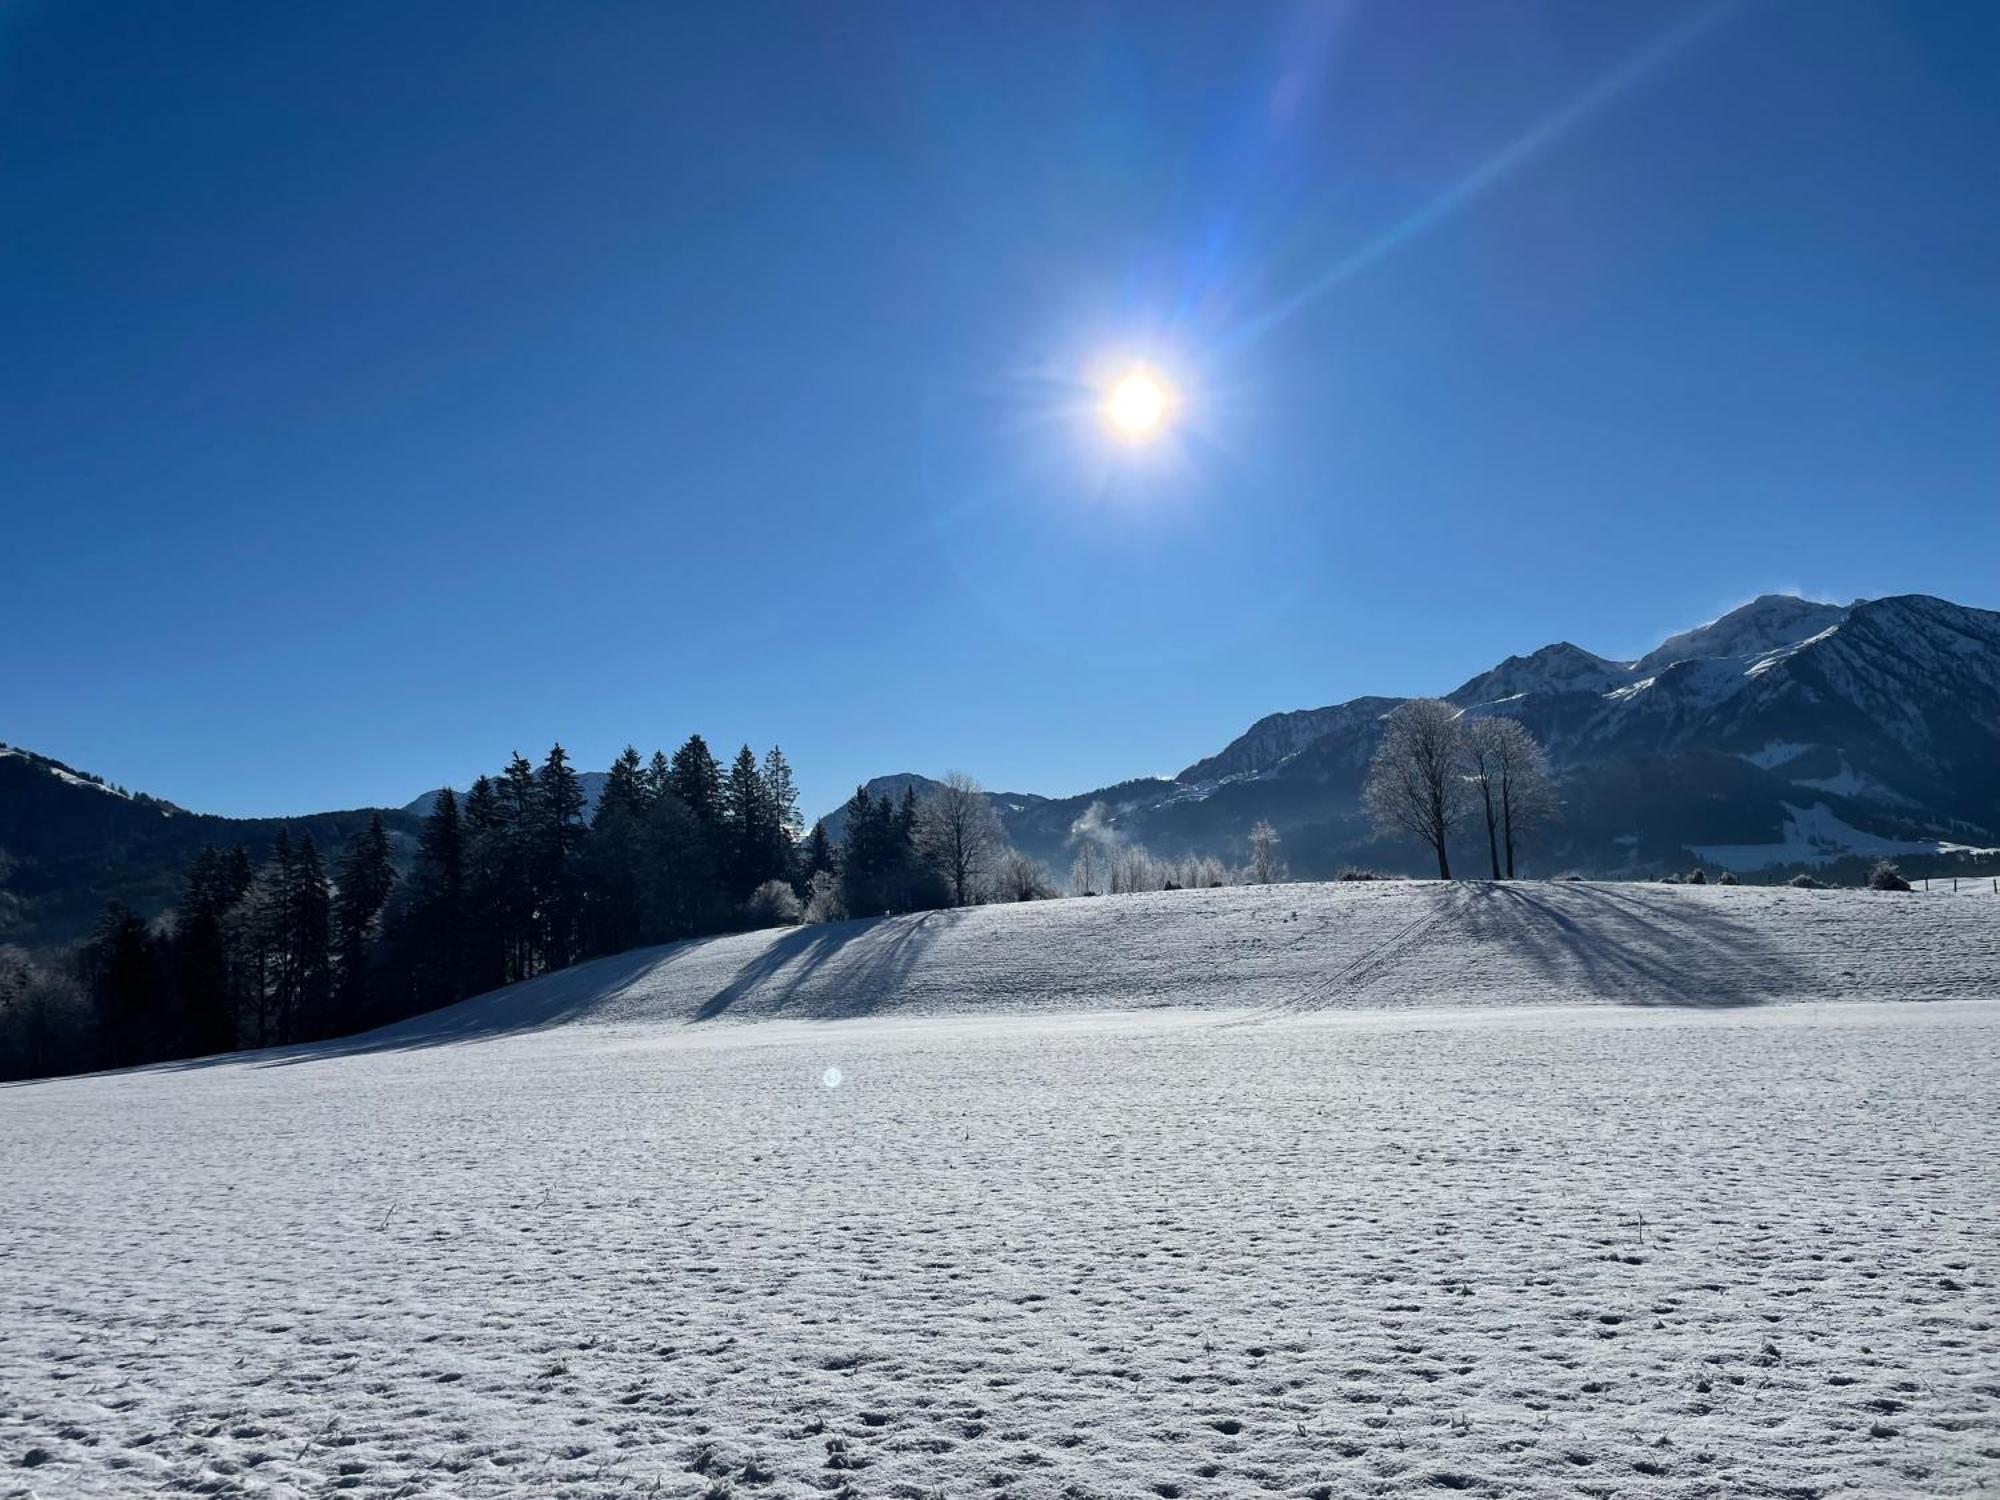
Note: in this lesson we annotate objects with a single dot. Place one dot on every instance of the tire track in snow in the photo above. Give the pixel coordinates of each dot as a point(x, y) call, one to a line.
point(1359, 972)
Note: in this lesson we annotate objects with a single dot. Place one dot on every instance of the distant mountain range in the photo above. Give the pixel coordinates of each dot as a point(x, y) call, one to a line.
point(69, 842)
point(1787, 734)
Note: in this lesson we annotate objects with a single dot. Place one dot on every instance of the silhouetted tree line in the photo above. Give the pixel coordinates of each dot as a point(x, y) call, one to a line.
point(510, 881)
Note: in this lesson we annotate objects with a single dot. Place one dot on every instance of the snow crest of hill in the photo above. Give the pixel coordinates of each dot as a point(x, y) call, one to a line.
point(1294, 948)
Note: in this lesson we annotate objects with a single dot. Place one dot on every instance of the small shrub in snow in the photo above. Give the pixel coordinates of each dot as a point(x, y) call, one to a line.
point(1806, 882)
point(1355, 872)
point(1728, 878)
point(1568, 875)
point(772, 904)
point(1670, 879)
point(1696, 876)
point(1886, 877)
point(825, 901)
point(1020, 878)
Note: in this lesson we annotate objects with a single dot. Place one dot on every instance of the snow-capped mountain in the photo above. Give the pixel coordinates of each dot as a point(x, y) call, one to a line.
point(1561, 668)
point(1764, 624)
point(1276, 738)
point(1787, 732)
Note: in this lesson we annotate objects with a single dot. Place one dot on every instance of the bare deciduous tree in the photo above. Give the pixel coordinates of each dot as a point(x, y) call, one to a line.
point(1020, 878)
point(1482, 737)
point(1519, 790)
point(1265, 866)
point(959, 834)
point(1085, 870)
point(1416, 782)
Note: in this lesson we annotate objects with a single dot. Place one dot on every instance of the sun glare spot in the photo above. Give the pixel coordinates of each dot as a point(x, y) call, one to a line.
point(1138, 405)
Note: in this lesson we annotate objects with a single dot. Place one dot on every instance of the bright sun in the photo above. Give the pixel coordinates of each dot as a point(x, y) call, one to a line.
point(1138, 406)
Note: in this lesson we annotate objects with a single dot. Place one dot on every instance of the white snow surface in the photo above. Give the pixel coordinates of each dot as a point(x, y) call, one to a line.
point(1378, 1198)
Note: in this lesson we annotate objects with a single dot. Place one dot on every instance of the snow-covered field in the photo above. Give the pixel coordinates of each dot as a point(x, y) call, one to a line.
point(1303, 1191)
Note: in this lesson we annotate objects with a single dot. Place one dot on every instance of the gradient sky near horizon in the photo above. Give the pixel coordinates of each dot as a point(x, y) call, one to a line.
point(387, 387)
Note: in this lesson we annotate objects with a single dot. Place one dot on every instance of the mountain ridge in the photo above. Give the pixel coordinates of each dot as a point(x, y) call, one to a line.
point(1815, 732)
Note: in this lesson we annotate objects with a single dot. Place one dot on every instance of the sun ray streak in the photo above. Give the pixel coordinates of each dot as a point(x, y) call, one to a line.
point(1524, 148)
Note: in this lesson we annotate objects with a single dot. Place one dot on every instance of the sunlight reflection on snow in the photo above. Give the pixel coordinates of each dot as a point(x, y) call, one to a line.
point(831, 1078)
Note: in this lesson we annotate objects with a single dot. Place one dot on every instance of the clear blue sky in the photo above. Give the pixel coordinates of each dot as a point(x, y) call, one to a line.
point(387, 386)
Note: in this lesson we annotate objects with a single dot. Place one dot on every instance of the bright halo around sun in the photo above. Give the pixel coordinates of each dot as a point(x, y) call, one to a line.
point(1139, 404)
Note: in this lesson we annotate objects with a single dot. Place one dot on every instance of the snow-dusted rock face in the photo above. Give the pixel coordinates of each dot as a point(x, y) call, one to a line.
point(1764, 624)
point(1276, 738)
point(1561, 668)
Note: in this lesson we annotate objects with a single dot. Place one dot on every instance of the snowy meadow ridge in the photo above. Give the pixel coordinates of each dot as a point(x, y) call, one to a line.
point(1370, 1189)
point(1396, 943)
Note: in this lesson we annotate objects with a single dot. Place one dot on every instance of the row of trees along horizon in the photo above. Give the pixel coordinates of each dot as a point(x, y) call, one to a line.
point(514, 880)
point(508, 882)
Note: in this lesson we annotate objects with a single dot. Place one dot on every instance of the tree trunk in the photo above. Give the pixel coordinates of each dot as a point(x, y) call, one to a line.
point(1507, 816)
point(1492, 846)
point(1444, 864)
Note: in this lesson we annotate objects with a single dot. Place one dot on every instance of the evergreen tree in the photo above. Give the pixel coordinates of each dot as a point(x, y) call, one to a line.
point(235, 875)
point(557, 840)
point(273, 909)
point(751, 826)
point(207, 1004)
point(487, 891)
point(818, 858)
point(680, 889)
point(363, 883)
point(514, 866)
point(782, 792)
point(123, 977)
point(867, 854)
point(311, 956)
point(659, 776)
point(614, 855)
point(439, 964)
point(696, 779)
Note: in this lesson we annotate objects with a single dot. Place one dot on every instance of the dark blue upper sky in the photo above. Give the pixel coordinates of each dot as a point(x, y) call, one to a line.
point(387, 386)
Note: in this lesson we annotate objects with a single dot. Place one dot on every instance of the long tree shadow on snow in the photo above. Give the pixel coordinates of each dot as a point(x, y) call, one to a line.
point(530, 1005)
point(1635, 946)
point(892, 946)
point(779, 981)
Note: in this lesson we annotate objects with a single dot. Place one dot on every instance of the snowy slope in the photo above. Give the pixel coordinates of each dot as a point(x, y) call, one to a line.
point(1300, 947)
point(1264, 1239)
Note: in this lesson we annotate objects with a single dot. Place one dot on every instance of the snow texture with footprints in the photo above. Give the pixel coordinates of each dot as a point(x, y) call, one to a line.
point(1303, 1191)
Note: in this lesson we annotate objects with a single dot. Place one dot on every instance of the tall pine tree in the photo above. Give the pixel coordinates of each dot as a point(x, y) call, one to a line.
point(558, 839)
point(614, 858)
point(207, 999)
point(363, 882)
